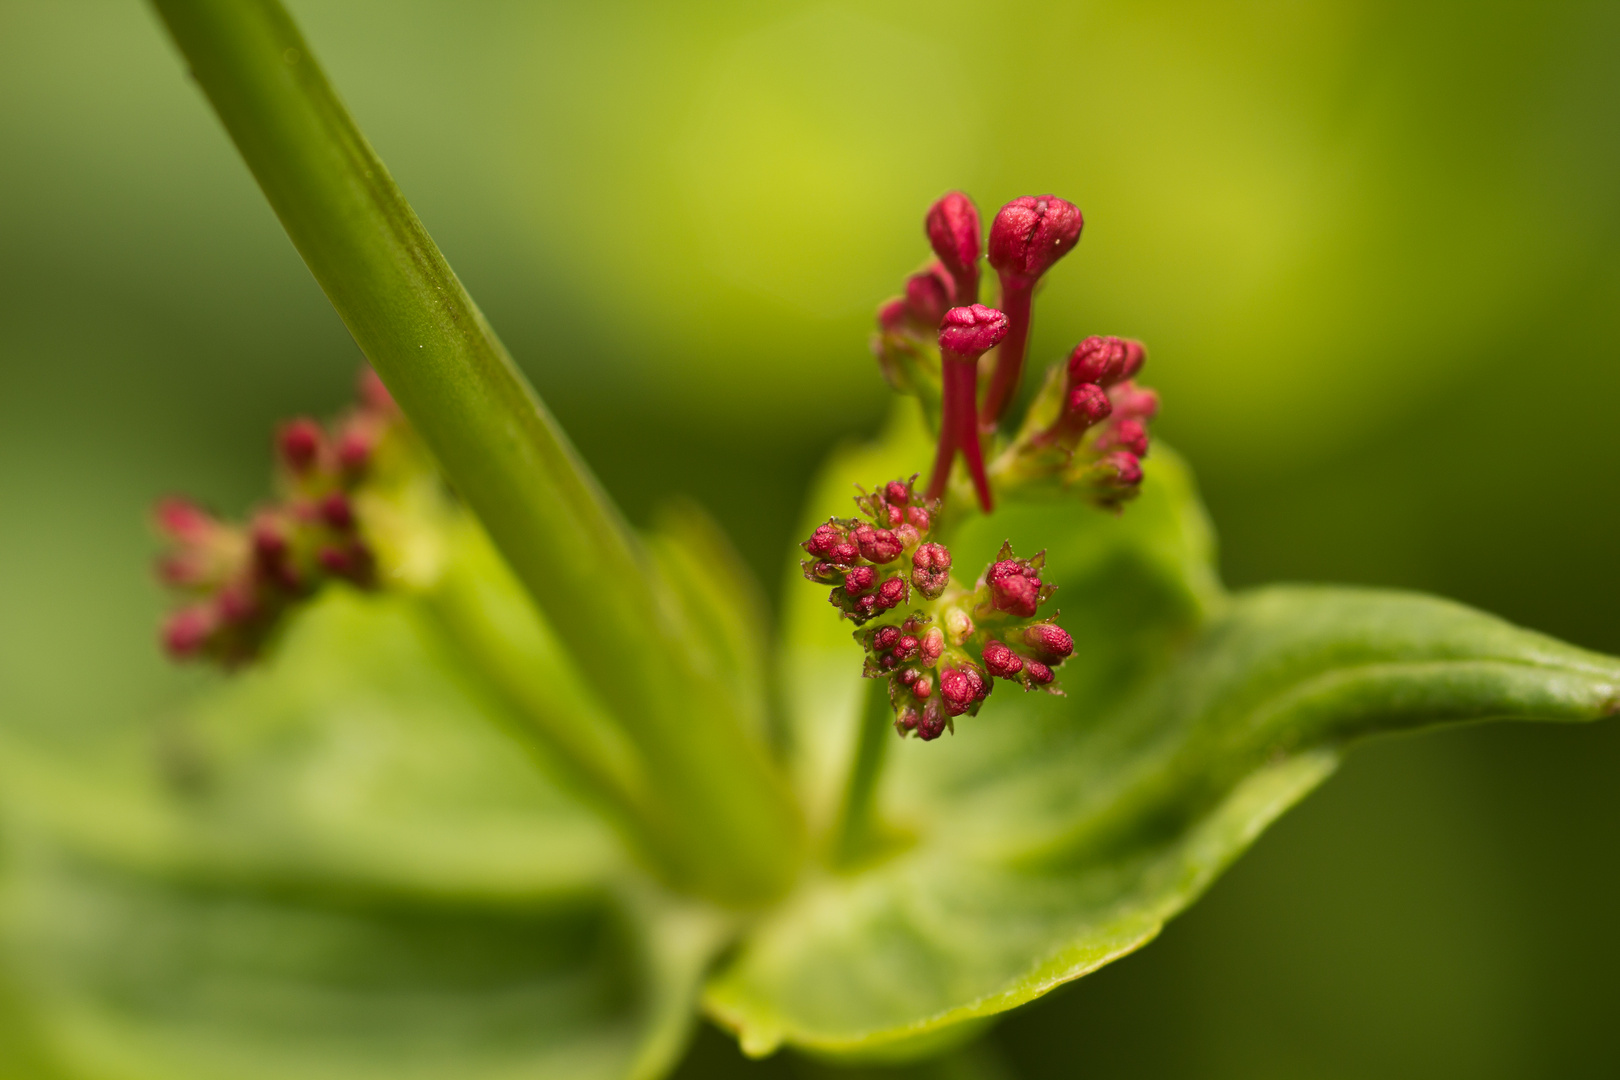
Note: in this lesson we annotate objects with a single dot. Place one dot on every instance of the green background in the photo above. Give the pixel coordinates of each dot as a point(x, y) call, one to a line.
point(1372, 247)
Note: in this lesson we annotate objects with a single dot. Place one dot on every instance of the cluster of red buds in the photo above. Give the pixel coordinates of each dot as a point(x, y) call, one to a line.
point(866, 561)
point(1097, 434)
point(239, 579)
point(931, 339)
point(941, 653)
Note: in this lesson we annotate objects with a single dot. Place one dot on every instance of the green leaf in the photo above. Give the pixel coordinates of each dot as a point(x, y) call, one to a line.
point(344, 865)
point(1053, 835)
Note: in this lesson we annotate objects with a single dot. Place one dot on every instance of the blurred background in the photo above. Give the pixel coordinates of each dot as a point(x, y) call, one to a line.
point(1374, 249)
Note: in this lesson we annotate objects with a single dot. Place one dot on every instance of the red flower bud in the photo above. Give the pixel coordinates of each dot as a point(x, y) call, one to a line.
point(354, 446)
point(931, 645)
point(336, 511)
point(877, 545)
point(906, 721)
point(922, 686)
point(1014, 588)
point(906, 648)
point(929, 296)
point(892, 593)
point(953, 232)
point(825, 540)
point(1100, 360)
point(860, 580)
point(1132, 402)
point(969, 332)
point(1048, 642)
point(1001, 661)
point(1031, 233)
point(957, 690)
point(931, 570)
point(1129, 435)
point(1135, 357)
point(1038, 673)
point(931, 725)
point(893, 315)
point(374, 396)
point(186, 631)
point(299, 442)
point(1126, 468)
point(885, 638)
point(183, 520)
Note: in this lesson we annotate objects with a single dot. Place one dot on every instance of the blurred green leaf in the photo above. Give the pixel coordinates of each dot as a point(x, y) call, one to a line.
point(1054, 835)
point(339, 866)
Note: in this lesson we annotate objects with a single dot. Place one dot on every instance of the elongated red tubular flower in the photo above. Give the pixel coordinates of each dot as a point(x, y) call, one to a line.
point(1027, 237)
point(966, 334)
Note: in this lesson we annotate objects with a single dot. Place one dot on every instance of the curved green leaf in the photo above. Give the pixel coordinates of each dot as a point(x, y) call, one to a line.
point(1053, 835)
point(341, 866)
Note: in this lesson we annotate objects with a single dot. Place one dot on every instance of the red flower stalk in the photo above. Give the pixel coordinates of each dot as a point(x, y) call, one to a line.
point(1027, 237)
point(953, 230)
point(966, 334)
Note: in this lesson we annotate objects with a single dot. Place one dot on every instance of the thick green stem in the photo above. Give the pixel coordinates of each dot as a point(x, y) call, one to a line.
point(734, 831)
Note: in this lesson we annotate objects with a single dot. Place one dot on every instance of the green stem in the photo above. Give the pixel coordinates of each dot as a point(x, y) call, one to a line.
point(859, 835)
point(734, 831)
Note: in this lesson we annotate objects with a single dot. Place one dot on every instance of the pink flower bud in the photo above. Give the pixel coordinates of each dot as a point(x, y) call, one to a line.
point(953, 232)
point(373, 394)
point(299, 442)
point(922, 686)
point(183, 520)
point(1127, 470)
point(885, 638)
point(237, 604)
point(1135, 357)
point(919, 519)
point(1001, 661)
point(860, 580)
point(1014, 588)
point(906, 721)
point(876, 545)
point(1128, 435)
point(931, 569)
point(929, 296)
point(892, 593)
point(1132, 402)
point(187, 631)
point(1031, 233)
point(336, 511)
point(898, 494)
point(1039, 674)
point(1100, 360)
point(931, 645)
point(1048, 642)
point(906, 648)
point(970, 332)
point(1086, 405)
point(355, 444)
point(893, 315)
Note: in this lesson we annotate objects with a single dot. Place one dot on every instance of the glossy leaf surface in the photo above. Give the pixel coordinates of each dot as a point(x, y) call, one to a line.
point(1052, 835)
